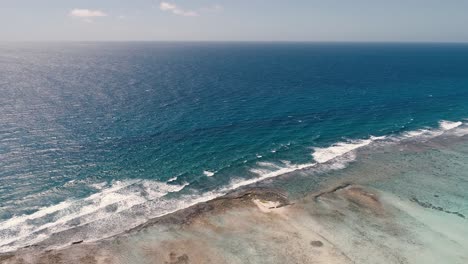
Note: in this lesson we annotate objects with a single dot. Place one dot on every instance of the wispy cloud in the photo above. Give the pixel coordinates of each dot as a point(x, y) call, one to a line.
point(86, 15)
point(169, 7)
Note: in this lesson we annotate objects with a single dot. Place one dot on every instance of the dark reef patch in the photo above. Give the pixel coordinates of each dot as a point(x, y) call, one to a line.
point(316, 243)
point(433, 207)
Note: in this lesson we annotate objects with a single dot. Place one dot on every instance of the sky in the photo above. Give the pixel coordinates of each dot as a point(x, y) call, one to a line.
point(234, 20)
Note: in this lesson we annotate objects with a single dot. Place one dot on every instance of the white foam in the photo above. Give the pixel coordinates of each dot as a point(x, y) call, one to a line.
point(98, 186)
point(448, 125)
point(135, 201)
point(374, 138)
point(444, 126)
point(416, 133)
point(265, 173)
point(40, 213)
point(460, 131)
point(341, 153)
point(322, 155)
point(172, 179)
point(455, 128)
point(123, 195)
point(208, 173)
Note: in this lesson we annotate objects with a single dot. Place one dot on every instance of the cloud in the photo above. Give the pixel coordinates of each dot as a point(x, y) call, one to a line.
point(86, 13)
point(168, 7)
point(165, 6)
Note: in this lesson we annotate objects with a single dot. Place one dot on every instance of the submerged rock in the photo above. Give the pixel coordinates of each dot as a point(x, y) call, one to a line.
point(316, 243)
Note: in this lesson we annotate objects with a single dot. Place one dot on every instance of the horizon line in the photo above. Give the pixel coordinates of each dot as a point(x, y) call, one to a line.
point(240, 41)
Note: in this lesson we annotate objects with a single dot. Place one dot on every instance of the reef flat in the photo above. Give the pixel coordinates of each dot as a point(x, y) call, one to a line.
point(347, 223)
point(403, 202)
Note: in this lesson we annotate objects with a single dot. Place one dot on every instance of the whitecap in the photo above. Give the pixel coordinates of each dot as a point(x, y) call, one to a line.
point(265, 174)
point(444, 126)
point(172, 179)
point(120, 196)
point(448, 125)
point(322, 155)
point(132, 197)
point(208, 173)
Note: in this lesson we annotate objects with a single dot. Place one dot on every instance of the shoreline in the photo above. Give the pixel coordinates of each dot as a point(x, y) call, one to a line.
point(309, 230)
point(246, 198)
point(401, 199)
point(181, 216)
point(135, 202)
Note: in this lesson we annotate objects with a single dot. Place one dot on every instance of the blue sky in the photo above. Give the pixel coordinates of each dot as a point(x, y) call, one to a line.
point(236, 20)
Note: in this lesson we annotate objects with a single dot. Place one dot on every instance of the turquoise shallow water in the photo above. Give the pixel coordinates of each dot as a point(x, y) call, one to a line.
point(103, 136)
point(407, 204)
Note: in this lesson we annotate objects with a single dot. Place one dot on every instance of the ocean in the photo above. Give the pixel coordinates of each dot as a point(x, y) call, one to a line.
point(97, 138)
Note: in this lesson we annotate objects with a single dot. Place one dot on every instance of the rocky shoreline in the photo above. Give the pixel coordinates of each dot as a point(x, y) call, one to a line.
point(184, 217)
point(346, 223)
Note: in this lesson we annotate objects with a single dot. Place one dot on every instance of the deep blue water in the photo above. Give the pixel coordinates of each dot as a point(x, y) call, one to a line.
point(82, 119)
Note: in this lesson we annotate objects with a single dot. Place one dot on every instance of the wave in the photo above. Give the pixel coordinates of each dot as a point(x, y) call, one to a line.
point(341, 153)
point(444, 126)
point(122, 205)
point(119, 196)
point(266, 173)
point(322, 155)
point(208, 173)
point(448, 125)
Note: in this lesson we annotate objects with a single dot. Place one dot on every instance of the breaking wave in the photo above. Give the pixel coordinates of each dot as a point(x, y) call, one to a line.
point(122, 205)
